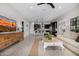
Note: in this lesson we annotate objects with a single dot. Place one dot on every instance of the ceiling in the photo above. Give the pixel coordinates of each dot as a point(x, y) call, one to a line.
point(33, 12)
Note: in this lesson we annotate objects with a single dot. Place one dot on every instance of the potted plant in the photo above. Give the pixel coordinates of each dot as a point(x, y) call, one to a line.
point(48, 36)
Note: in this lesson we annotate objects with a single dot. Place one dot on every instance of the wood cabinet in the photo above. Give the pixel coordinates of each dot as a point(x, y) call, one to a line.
point(8, 39)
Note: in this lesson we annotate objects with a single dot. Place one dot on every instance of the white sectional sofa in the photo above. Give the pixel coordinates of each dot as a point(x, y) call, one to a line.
point(70, 43)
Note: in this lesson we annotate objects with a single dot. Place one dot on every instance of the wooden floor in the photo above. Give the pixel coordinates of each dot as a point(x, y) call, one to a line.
point(21, 48)
point(34, 49)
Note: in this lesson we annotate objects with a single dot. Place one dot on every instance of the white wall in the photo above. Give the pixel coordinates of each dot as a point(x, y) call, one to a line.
point(9, 12)
point(64, 21)
point(26, 28)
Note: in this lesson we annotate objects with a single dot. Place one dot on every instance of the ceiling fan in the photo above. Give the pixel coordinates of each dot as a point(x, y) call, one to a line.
point(51, 4)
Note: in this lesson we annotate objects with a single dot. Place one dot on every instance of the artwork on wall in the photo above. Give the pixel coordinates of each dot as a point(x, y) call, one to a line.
point(74, 24)
point(7, 25)
point(62, 27)
point(37, 28)
point(77, 24)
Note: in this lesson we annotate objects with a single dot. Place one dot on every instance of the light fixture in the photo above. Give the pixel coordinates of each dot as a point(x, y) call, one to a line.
point(31, 7)
point(60, 7)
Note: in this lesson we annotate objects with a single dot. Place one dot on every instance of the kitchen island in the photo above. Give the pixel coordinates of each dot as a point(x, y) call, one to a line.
point(9, 38)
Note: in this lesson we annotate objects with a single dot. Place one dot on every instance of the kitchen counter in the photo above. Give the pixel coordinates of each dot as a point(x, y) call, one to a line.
point(9, 38)
point(9, 32)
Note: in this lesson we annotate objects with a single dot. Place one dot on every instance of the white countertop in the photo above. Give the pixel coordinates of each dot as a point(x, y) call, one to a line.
point(9, 32)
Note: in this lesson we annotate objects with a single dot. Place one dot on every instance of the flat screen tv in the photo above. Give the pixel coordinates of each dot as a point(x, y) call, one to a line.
point(7, 25)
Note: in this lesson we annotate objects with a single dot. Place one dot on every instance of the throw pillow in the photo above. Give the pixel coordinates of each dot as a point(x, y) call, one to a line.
point(77, 39)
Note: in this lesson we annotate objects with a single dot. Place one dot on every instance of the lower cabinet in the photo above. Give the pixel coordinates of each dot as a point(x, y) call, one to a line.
point(10, 38)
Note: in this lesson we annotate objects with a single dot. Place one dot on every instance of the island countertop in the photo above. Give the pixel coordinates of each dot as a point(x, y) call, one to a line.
point(9, 32)
point(9, 38)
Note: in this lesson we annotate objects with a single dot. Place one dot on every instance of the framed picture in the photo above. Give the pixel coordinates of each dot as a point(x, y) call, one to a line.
point(77, 24)
point(74, 24)
point(6, 24)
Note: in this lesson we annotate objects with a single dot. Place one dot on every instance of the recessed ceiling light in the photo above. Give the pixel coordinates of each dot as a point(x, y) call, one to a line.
point(60, 7)
point(31, 7)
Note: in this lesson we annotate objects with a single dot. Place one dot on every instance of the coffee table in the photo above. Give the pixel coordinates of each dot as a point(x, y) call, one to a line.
point(54, 42)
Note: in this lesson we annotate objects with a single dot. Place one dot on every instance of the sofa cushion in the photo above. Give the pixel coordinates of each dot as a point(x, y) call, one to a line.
point(71, 35)
point(72, 48)
point(72, 42)
point(77, 40)
point(69, 41)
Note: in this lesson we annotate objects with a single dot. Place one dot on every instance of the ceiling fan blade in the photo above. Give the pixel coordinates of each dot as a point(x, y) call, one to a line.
point(40, 3)
point(51, 5)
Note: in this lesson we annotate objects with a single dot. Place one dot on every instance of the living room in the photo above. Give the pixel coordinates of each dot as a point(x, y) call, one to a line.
point(43, 29)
